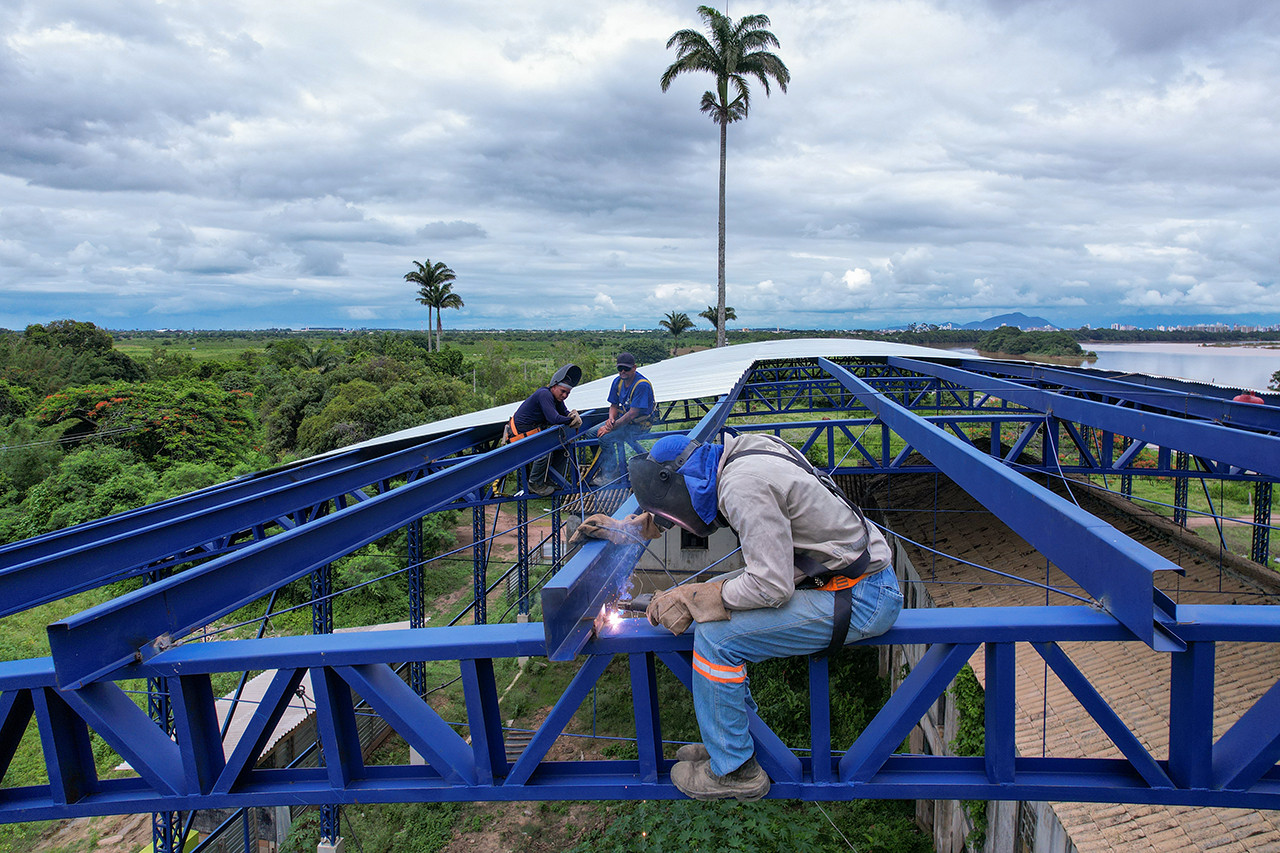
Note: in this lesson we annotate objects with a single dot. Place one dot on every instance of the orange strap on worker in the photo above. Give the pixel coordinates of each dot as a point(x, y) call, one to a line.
point(512, 435)
point(835, 583)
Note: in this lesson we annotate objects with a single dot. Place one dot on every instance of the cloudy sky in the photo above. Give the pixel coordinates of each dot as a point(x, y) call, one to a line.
point(249, 164)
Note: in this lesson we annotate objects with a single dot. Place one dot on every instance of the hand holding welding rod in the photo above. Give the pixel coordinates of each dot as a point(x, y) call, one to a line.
point(639, 604)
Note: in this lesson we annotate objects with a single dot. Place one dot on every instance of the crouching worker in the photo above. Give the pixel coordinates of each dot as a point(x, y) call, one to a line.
point(542, 409)
point(817, 575)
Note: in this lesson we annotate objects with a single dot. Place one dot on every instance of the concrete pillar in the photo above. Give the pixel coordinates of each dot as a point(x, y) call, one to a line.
point(524, 659)
point(283, 821)
point(1002, 825)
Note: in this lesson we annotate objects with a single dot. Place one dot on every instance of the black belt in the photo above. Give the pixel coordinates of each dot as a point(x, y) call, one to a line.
point(817, 576)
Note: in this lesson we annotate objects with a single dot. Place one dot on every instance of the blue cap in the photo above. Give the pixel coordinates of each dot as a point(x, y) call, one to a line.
point(668, 447)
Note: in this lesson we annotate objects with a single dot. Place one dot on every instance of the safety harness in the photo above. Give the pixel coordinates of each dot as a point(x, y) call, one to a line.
point(512, 435)
point(841, 581)
point(625, 403)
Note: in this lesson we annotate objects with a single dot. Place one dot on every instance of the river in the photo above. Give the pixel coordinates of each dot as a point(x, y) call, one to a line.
point(1230, 366)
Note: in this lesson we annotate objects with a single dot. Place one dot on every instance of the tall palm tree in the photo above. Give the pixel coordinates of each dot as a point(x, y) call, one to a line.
point(677, 323)
point(710, 315)
point(448, 299)
point(735, 51)
point(433, 287)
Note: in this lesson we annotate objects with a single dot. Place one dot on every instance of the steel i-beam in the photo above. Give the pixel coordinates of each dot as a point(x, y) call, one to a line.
point(1115, 570)
point(572, 601)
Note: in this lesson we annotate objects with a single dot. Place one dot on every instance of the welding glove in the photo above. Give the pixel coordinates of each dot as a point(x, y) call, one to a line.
point(643, 525)
point(601, 526)
point(629, 530)
point(679, 607)
point(575, 419)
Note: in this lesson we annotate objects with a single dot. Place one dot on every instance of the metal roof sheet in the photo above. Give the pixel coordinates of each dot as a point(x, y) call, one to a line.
point(706, 373)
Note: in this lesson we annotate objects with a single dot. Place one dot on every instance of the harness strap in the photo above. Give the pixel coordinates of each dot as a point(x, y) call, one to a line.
point(841, 582)
point(817, 576)
point(640, 420)
point(512, 435)
point(843, 614)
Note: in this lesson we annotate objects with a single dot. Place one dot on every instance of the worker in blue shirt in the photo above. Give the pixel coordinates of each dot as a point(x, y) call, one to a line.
point(631, 407)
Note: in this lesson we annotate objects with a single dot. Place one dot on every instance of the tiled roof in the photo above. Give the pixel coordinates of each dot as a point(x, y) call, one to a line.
point(1130, 676)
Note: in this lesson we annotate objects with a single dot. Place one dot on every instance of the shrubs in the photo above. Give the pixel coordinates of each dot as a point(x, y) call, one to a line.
point(180, 420)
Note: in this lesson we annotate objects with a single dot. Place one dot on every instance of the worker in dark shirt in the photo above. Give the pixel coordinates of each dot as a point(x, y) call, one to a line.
point(542, 409)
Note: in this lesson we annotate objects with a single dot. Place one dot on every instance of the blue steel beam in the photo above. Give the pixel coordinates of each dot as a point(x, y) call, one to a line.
point(212, 497)
point(1248, 450)
point(572, 600)
point(1134, 389)
point(1115, 570)
point(91, 644)
point(867, 446)
point(87, 556)
point(189, 774)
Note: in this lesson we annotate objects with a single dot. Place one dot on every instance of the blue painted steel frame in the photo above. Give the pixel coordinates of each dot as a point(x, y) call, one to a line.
point(1238, 769)
point(1169, 395)
point(77, 690)
point(1249, 450)
point(97, 641)
point(85, 556)
point(1114, 569)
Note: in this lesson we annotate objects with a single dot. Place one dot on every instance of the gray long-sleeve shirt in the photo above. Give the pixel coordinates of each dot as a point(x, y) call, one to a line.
point(777, 508)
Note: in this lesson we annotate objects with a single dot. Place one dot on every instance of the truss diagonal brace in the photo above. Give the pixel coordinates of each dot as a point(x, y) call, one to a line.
point(94, 643)
point(1114, 569)
point(1248, 450)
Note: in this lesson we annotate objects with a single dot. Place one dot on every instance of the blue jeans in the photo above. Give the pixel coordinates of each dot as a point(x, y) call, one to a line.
point(613, 449)
point(802, 626)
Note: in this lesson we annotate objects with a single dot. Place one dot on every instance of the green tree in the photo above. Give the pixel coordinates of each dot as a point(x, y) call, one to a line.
point(182, 420)
point(72, 334)
point(91, 483)
point(710, 315)
point(435, 291)
point(735, 51)
point(45, 358)
point(677, 323)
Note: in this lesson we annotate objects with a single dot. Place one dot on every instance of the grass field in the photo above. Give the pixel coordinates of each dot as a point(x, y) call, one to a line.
point(200, 347)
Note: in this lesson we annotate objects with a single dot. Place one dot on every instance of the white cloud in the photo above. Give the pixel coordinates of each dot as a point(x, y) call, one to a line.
point(933, 159)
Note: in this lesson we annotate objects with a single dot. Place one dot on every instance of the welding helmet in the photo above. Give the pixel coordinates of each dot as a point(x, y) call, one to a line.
point(569, 376)
point(662, 488)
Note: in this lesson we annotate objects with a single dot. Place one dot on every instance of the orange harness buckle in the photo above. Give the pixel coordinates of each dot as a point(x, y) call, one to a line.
point(839, 582)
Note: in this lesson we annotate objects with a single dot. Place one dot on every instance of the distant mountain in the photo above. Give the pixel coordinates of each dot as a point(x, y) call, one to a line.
point(1022, 321)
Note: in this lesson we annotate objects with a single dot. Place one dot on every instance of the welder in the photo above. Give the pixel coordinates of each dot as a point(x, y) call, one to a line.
point(817, 575)
point(542, 409)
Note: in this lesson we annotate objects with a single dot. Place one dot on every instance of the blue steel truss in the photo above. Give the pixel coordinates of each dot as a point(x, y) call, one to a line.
point(238, 543)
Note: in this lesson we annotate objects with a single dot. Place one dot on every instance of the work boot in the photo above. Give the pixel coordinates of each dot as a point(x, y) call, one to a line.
point(541, 489)
point(692, 752)
point(695, 779)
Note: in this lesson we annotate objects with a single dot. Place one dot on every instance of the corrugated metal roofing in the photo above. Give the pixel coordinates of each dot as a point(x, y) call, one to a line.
point(707, 373)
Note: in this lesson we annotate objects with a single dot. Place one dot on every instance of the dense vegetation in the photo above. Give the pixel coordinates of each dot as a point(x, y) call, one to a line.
point(93, 423)
point(1010, 340)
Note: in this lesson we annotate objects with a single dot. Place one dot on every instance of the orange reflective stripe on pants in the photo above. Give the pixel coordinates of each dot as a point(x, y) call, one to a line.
point(718, 672)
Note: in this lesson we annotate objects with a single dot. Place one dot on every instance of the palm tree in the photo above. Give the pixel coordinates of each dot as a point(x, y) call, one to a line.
point(710, 315)
point(734, 52)
point(322, 359)
point(677, 323)
point(434, 291)
point(447, 299)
